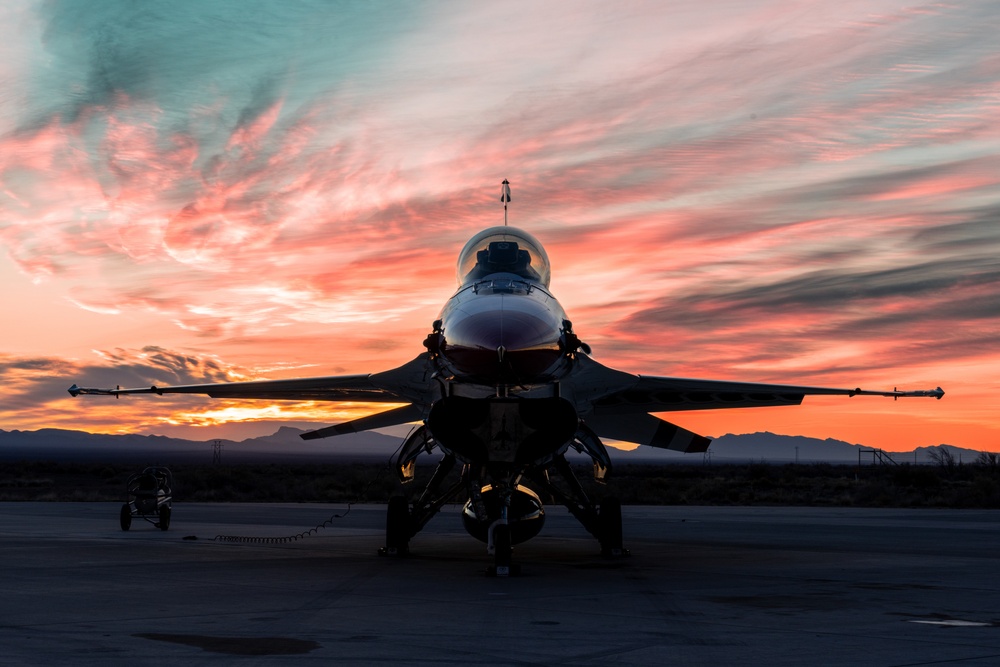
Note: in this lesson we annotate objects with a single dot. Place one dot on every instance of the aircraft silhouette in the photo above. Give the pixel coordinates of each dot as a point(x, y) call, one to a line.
point(506, 388)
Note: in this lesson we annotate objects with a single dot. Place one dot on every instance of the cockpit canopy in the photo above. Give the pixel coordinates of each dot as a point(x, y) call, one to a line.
point(503, 250)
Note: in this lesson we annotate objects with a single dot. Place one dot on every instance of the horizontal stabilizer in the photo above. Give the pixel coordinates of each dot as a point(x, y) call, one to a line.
point(401, 415)
point(648, 430)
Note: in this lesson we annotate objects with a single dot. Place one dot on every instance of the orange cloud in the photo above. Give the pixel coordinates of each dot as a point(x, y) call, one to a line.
point(807, 198)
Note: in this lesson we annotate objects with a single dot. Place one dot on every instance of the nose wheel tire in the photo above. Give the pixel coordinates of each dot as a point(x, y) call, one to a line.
point(502, 553)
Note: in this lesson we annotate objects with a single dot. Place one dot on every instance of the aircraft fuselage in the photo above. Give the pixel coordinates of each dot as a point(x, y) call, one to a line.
point(503, 332)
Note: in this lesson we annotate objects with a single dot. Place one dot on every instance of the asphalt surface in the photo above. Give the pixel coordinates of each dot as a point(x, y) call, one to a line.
point(703, 586)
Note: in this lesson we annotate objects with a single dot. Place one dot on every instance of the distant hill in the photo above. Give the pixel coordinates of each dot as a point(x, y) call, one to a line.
point(285, 445)
point(773, 448)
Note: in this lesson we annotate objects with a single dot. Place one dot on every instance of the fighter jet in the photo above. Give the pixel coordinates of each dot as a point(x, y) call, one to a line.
point(505, 389)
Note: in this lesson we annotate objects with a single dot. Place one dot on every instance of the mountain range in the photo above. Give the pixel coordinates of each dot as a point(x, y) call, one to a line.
point(285, 445)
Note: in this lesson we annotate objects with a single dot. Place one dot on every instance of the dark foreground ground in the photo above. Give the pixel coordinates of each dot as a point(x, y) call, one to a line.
point(768, 586)
point(955, 486)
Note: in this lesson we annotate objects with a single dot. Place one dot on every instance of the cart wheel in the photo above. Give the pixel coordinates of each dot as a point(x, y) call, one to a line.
point(164, 522)
point(125, 517)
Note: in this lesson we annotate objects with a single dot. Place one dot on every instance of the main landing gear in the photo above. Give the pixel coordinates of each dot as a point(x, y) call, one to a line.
point(500, 511)
point(397, 528)
point(603, 520)
point(402, 521)
point(609, 528)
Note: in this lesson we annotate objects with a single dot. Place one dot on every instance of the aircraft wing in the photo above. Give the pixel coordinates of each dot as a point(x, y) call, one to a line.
point(666, 394)
point(617, 405)
point(410, 383)
point(613, 392)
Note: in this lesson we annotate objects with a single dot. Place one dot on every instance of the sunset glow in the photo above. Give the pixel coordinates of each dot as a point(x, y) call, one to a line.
point(803, 193)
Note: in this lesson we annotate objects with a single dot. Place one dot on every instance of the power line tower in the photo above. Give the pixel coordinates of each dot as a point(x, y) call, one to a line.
point(217, 452)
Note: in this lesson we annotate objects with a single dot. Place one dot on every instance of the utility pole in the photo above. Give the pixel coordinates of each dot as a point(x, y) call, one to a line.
point(217, 452)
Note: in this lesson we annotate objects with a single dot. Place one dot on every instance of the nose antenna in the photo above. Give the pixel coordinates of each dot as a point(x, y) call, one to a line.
point(505, 198)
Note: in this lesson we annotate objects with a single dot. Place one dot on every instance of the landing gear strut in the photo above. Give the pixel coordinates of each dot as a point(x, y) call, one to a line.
point(503, 565)
point(500, 540)
point(603, 521)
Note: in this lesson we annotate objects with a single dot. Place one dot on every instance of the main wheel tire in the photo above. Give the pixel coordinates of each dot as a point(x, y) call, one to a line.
point(164, 522)
point(125, 517)
point(609, 521)
point(397, 526)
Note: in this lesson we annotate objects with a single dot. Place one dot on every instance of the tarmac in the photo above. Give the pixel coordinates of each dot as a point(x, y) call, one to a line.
point(703, 586)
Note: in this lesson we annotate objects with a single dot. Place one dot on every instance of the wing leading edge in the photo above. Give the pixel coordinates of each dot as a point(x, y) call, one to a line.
point(332, 388)
point(405, 384)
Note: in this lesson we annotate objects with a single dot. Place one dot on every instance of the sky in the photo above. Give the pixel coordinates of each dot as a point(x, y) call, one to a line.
point(796, 192)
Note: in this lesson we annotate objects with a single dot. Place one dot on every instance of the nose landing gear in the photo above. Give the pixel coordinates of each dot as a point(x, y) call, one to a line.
point(503, 565)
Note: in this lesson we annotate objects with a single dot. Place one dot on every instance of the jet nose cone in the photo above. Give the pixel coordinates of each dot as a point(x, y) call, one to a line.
point(499, 338)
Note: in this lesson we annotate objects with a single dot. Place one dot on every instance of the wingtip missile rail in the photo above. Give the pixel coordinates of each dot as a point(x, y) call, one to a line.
point(75, 391)
point(933, 393)
point(896, 393)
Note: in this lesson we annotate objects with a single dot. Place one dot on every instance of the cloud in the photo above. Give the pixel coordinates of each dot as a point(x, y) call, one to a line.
point(174, 54)
point(38, 398)
point(717, 191)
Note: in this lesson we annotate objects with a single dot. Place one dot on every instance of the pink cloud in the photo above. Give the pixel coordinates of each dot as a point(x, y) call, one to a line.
point(771, 194)
point(40, 400)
